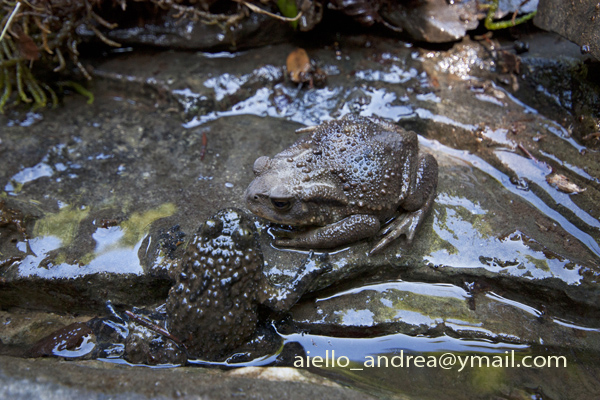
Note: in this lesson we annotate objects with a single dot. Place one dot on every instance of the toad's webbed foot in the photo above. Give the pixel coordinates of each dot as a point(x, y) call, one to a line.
point(404, 224)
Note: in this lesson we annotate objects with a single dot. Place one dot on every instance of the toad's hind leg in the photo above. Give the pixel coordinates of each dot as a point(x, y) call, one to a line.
point(416, 204)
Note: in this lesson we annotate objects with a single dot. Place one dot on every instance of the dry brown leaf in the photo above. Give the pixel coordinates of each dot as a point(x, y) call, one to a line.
point(298, 65)
point(25, 44)
point(563, 184)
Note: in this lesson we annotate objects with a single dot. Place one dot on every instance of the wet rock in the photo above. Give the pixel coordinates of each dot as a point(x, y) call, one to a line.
point(510, 6)
point(569, 84)
point(417, 308)
point(186, 33)
point(22, 329)
point(73, 341)
point(474, 234)
point(578, 21)
point(551, 253)
point(76, 260)
point(48, 378)
point(433, 21)
point(440, 21)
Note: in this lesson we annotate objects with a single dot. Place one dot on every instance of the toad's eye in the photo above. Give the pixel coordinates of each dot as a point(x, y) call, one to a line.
point(281, 204)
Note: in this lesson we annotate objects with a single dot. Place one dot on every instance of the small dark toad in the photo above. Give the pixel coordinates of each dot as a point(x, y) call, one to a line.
point(343, 181)
point(211, 311)
point(212, 307)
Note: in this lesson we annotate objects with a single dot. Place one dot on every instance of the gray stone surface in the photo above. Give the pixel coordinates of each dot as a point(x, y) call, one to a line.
point(52, 379)
point(138, 150)
point(578, 21)
point(433, 21)
point(186, 33)
point(433, 309)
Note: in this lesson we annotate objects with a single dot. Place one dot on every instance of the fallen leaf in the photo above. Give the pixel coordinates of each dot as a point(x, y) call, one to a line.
point(26, 46)
point(563, 184)
point(298, 65)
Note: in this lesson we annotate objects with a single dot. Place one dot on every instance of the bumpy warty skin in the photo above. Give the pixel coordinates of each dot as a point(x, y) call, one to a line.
point(345, 167)
point(348, 175)
point(212, 305)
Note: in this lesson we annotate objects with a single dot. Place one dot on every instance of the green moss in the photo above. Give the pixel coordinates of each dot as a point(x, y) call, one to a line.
point(86, 259)
point(136, 226)
point(432, 306)
point(540, 264)
point(60, 258)
point(17, 186)
point(63, 224)
point(478, 221)
point(436, 242)
point(487, 379)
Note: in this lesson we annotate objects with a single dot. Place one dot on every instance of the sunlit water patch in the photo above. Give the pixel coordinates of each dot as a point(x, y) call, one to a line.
point(394, 75)
point(118, 260)
point(468, 248)
point(528, 196)
point(537, 172)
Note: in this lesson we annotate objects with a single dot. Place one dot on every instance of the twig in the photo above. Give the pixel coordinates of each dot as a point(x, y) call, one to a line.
point(595, 135)
point(61, 61)
point(102, 37)
point(524, 150)
point(10, 18)
point(203, 147)
point(103, 22)
point(191, 10)
point(259, 10)
point(154, 327)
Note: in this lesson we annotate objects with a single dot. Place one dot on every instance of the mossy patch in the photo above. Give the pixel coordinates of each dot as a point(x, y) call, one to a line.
point(433, 307)
point(487, 379)
point(539, 263)
point(136, 226)
point(63, 225)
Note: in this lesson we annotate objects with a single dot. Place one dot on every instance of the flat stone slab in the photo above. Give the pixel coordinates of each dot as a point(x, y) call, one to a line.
point(50, 378)
point(434, 309)
point(103, 183)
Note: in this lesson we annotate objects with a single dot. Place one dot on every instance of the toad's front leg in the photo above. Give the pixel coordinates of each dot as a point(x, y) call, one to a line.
point(345, 231)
